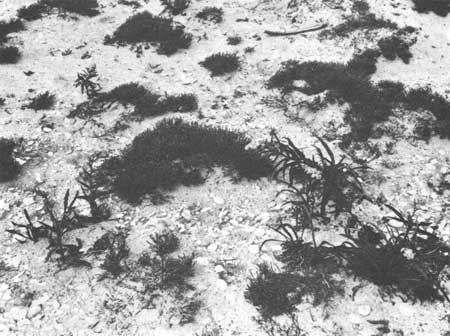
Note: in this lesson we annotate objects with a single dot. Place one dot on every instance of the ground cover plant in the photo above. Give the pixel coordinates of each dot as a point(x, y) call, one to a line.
point(175, 153)
point(9, 55)
point(67, 254)
point(408, 261)
point(114, 245)
point(350, 83)
point(212, 14)
point(221, 63)
point(146, 27)
point(87, 81)
point(33, 12)
point(43, 101)
point(9, 168)
point(439, 7)
point(393, 47)
point(175, 7)
point(8, 27)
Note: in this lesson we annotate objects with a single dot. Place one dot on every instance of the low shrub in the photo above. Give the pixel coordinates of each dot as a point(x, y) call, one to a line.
point(408, 262)
point(82, 7)
point(439, 7)
point(367, 22)
point(393, 47)
point(221, 63)
point(9, 168)
point(175, 7)
point(33, 12)
point(212, 14)
point(114, 245)
point(234, 40)
point(146, 27)
point(9, 27)
point(175, 152)
point(43, 101)
point(9, 55)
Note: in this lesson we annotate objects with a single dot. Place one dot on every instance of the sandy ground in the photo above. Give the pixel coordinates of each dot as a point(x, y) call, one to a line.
point(221, 221)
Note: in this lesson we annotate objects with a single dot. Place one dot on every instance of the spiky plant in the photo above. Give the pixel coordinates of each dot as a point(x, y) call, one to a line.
point(86, 81)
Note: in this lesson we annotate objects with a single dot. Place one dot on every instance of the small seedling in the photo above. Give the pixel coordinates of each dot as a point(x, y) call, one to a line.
point(221, 63)
point(114, 245)
point(212, 14)
point(43, 101)
point(86, 80)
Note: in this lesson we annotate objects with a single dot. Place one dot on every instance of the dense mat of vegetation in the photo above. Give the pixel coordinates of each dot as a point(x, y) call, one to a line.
point(43, 101)
point(9, 168)
point(439, 7)
point(369, 103)
point(175, 153)
point(39, 9)
point(221, 63)
point(146, 27)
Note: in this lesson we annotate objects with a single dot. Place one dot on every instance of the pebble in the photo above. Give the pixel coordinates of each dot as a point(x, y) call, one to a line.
point(186, 214)
point(28, 201)
point(34, 310)
point(364, 310)
point(219, 269)
point(218, 200)
point(202, 261)
point(212, 247)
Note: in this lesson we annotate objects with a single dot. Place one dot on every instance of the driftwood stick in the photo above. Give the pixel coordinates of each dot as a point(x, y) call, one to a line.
point(305, 30)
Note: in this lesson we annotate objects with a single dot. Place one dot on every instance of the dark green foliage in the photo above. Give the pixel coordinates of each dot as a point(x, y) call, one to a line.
point(366, 22)
point(361, 7)
point(114, 245)
point(393, 47)
point(234, 40)
point(33, 12)
point(329, 186)
point(29, 231)
point(128, 93)
point(175, 7)
point(86, 81)
point(11, 26)
point(365, 63)
point(82, 7)
point(274, 328)
point(43, 101)
point(164, 243)
point(408, 261)
point(439, 7)
point(145, 27)
point(9, 168)
point(9, 55)
point(94, 189)
point(179, 103)
point(393, 92)
point(221, 63)
point(212, 14)
point(160, 270)
point(175, 152)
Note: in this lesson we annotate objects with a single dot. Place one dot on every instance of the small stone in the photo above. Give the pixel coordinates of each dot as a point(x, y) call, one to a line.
point(218, 200)
point(253, 249)
point(21, 161)
point(34, 310)
point(28, 201)
point(186, 215)
point(202, 261)
point(219, 269)
point(364, 310)
point(212, 247)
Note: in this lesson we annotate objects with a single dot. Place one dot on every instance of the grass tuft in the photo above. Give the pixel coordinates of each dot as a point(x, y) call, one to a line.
point(43, 101)
point(221, 63)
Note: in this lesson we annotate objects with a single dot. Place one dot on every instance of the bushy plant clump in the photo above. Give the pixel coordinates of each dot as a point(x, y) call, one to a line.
point(9, 55)
point(9, 168)
point(175, 152)
point(175, 7)
point(393, 47)
point(82, 7)
point(367, 22)
point(408, 262)
point(221, 63)
point(439, 7)
point(368, 103)
point(11, 26)
point(33, 12)
point(114, 246)
point(43, 101)
point(212, 14)
point(146, 27)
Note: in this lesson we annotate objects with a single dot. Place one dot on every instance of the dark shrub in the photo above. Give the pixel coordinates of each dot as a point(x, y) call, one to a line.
point(128, 93)
point(234, 40)
point(43, 101)
point(408, 262)
point(9, 55)
point(394, 46)
point(439, 7)
point(33, 12)
point(114, 245)
point(11, 26)
point(361, 6)
point(213, 14)
point(365, 22)
point(9, 168)
point(82, 7)
point(392, 92)
point(364, 63)
point(175, 7)
point(145, 27)
point(180, 103)
point(87, 81)
point(221, 63)
point(175, 152)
